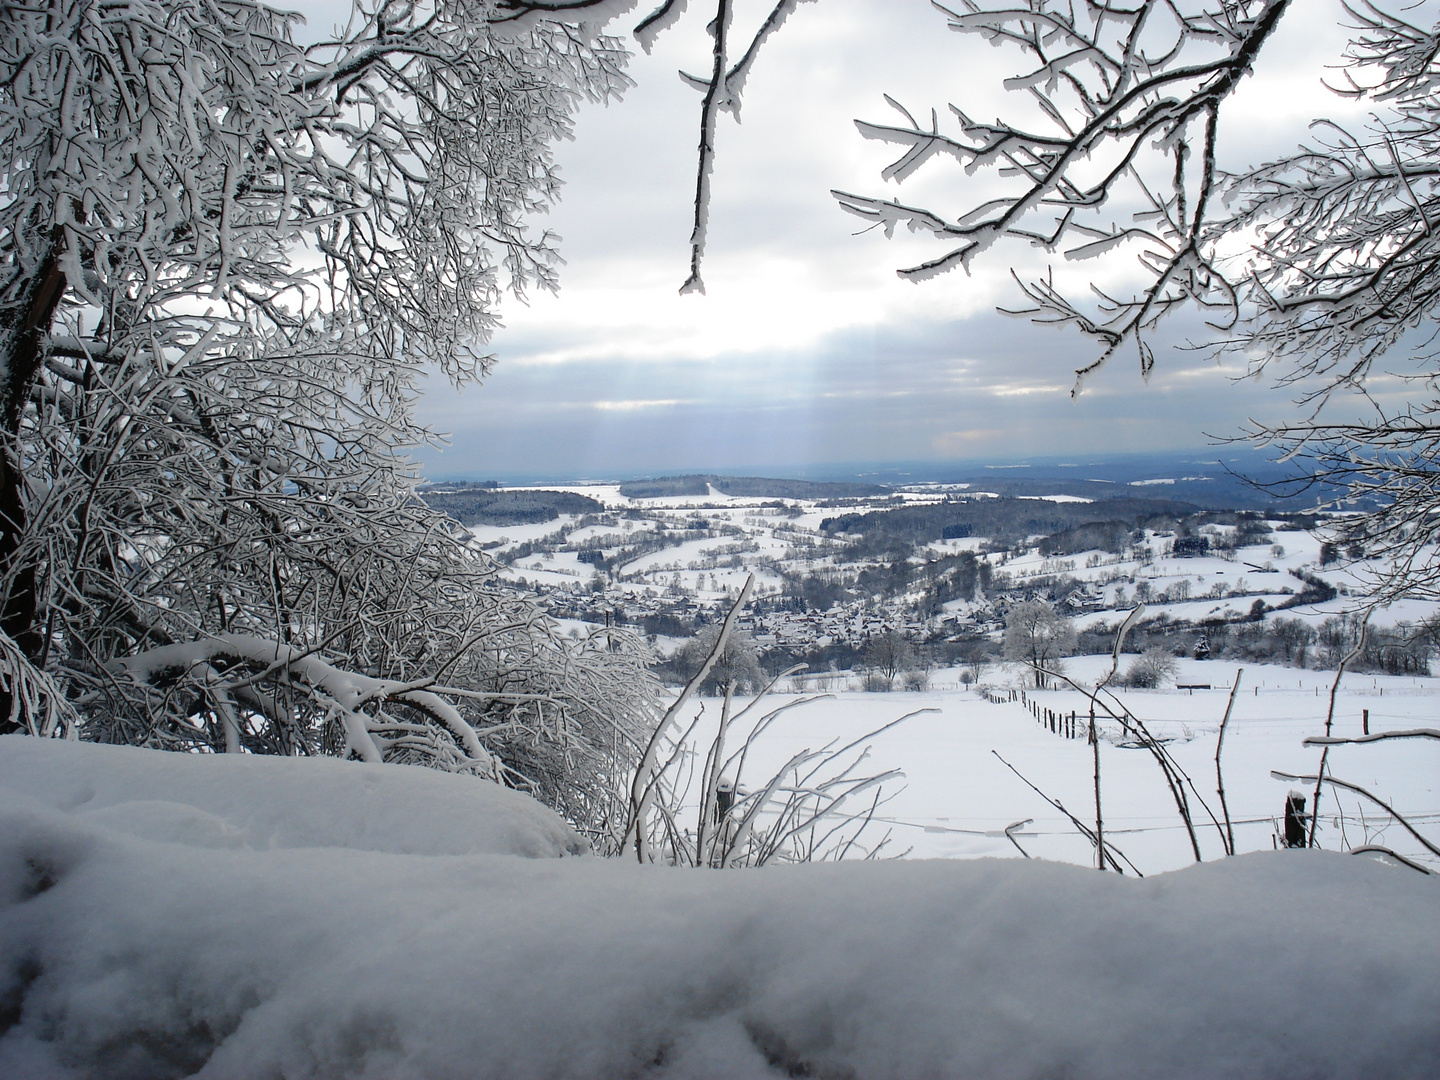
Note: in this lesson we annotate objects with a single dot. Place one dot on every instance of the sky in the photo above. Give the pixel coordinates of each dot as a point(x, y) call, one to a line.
point(806, 349)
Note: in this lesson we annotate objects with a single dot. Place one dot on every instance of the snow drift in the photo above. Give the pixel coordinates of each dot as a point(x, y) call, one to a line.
point(175, 915)
point(251, 801)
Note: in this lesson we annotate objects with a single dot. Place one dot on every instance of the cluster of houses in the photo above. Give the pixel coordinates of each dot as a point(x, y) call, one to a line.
point(772, 625)
point(775, 624)
point(841, 625)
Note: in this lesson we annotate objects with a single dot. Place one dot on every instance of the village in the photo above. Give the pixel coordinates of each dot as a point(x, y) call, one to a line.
point(666, 567)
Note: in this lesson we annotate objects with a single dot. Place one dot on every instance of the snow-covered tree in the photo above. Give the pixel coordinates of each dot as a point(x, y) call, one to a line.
point(1319, 267)
point(226, 257)
point(1150, 669)
point(889, 654)
point(1038, 636)
point(737, 668)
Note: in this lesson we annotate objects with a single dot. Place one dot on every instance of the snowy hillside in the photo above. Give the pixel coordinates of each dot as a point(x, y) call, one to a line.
point(818, 583)
point(156, 925)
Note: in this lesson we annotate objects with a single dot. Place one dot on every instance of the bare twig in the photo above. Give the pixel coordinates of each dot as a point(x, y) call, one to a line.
point(1219, 774)
point(1380, 849)
point(1330, 722)
point(640, 793)
point(1010, 835)
point(1109, 851)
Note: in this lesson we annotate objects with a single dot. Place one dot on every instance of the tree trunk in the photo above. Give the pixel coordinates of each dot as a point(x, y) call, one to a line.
point(22, 335)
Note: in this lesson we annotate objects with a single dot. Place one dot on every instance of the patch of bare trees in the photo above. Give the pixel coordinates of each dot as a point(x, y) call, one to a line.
point(1039, 637)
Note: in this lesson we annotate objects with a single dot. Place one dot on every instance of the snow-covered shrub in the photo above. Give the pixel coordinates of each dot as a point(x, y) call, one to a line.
point(916, 679)
point(816, 807)
point(37, 703)
point(233, 256)
point(1150, 669)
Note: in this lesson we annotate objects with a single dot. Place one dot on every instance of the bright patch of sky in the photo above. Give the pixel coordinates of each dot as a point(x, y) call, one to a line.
point(807, 348)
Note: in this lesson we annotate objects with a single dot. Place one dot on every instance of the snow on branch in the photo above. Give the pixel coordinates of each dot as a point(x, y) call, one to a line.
point(228, 258)
point(1379, 736)
point(343, 695)
point(722, 93)
point(1128, 104)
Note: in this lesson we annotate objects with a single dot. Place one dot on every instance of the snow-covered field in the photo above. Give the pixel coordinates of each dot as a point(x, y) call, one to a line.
point(174, 915)
point(958, 796)
point(236, 916)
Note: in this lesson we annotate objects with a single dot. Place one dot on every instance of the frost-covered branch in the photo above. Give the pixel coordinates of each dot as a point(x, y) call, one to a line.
point(226, 259)
point(1316, 268)
point(722, 92)
point(1388, 464)
point(1379, 736)
point(1128, 102)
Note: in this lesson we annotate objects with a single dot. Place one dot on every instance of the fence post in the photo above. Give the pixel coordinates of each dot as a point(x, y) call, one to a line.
point(1365, 721)
point(1295, 820)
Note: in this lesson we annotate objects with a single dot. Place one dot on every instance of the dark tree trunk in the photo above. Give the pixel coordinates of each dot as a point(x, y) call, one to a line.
point(23, 335)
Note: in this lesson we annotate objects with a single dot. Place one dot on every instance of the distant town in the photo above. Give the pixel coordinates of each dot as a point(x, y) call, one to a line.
point(839, 566)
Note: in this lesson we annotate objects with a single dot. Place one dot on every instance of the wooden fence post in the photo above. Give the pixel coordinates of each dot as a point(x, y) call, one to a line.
point(1295, 820)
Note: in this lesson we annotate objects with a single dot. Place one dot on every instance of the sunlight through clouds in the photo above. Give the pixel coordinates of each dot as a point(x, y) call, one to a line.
point(807, 347)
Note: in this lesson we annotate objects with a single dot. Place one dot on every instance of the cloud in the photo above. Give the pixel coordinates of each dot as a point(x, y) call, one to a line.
point(632, 405)
point(807, 347)
point(876, 394)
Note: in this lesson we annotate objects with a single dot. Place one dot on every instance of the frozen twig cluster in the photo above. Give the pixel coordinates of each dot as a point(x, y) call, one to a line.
point(1127, 103)
point(814, 808)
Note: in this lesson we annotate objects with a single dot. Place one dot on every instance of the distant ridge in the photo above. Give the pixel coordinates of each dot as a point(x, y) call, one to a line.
point(483, 504)
point(1006, 518)
point(749, 487)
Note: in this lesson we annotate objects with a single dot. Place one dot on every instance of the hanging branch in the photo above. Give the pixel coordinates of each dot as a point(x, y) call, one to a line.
point(709, 110)
point(722, 92)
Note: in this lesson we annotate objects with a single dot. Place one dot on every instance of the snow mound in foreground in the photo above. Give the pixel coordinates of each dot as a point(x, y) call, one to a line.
point(245, 801)
point(124, 956)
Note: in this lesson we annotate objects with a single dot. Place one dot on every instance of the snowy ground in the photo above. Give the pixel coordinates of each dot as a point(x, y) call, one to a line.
point(958, 796)
point(168, 915)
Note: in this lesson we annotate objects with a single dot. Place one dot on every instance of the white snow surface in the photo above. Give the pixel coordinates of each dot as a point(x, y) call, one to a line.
point(353, 933)
point(243, 801)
